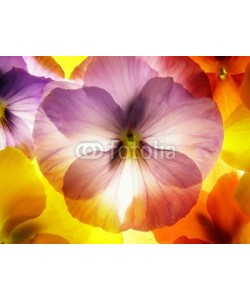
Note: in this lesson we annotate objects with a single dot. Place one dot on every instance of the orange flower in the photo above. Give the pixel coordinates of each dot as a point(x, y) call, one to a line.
point(225, 74)
point(216, 218)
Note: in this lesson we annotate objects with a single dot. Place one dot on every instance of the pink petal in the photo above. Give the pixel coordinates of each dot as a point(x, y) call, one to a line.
point(141, 194)
point(67, 121)
point(167, 116)
point(123, 77)
point(84, 114)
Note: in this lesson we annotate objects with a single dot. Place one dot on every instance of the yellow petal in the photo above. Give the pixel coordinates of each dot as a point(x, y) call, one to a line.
point(43, 238)
point(22, 195)
point(68, 63)
point(236, 147)
point(138, 237)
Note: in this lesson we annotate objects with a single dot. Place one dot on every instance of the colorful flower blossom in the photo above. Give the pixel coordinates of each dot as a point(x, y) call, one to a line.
point(225, 74)
point(154, 145)
point(216, 218)
point(22, 198)
point(20, 95)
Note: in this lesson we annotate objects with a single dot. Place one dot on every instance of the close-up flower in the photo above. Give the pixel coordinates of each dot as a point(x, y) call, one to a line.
point(148, 165)
point(123, 149)
point(225, 74)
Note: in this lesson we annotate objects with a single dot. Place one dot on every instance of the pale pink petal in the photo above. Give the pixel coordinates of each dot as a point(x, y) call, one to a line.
point(123, 77)
point(153, 191)
point(68, 123)
point(168, 117)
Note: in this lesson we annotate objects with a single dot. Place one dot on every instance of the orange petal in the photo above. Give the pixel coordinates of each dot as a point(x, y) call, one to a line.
point(226, 94)
point(22, 194)
point(224, 210)
point(237, 64)
point(196, 225)
point(245, 88)
point(185, 240)
point(243, 194)
point(208, 63)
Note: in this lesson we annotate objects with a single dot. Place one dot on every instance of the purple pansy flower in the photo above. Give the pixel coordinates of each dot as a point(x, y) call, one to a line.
point(20, 95)
point(146, 145)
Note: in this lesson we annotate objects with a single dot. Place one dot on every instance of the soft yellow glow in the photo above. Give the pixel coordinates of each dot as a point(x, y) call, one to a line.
point(68, 63)
point(236, 150)
point(138, 237)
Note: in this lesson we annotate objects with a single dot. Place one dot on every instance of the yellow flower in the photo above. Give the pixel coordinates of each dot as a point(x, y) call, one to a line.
point(22, 197)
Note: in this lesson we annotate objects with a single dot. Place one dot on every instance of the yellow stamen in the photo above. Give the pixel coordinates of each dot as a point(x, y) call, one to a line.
point(222, 73)
point(131, 144)
point(2, 109)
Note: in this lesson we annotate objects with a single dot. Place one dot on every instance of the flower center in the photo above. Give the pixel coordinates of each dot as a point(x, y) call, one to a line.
point(130, 144)
point(223, 73)
point(2, 109)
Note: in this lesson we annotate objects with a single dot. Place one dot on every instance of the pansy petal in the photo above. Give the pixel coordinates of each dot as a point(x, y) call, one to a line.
point(185, 240)
point(208, 63)
point(86, 113)
point(46, 238)
point(44, 66)
point(184, 71)
point(22, 194)
point(67, 122)
point(237, 64)
point(15, 133)
point(170, 118)
point(223, 208)
point(9, 62)
point(78, 73)
point(242, 194)
point(138, 237)
point(54, 151)
point(226, 93)
point(22, 93)
point(67, 85)
point(245, 88)
point(141, 194)
point(236, 151)
point(122, 77)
